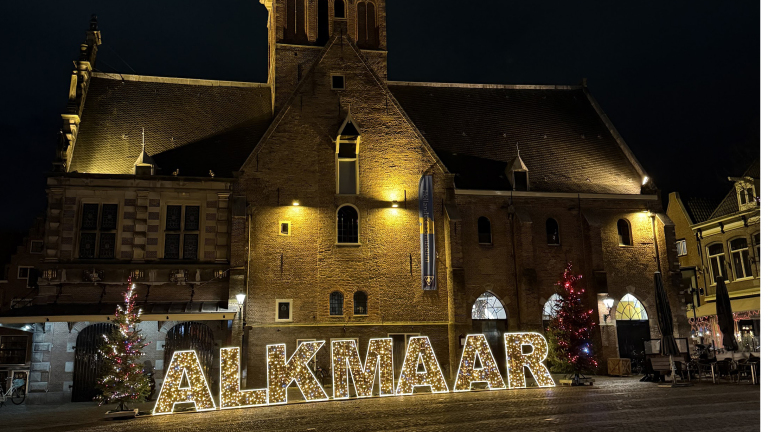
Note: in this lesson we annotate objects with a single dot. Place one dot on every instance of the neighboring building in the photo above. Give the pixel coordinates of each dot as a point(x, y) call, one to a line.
point(722, 241)
point(302, 193)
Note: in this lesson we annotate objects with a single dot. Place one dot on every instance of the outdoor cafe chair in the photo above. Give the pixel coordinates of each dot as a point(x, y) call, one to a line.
point(725, 368)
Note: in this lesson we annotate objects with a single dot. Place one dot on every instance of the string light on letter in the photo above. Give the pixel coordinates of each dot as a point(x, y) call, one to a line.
point(534, 361)
point(345, 359)
point(476, 347)
point(420, 351)
point(229, 381)
point(281, 373)
point(184, 363)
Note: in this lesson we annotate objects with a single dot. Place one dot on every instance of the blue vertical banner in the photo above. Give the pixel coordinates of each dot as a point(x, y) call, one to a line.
point(427, 237)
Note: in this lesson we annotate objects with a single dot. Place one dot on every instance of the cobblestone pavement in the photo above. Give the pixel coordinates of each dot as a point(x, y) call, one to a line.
point(613, 404)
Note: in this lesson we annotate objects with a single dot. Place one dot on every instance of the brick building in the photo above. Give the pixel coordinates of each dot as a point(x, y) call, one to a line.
point(302, 193)
point(722, 240)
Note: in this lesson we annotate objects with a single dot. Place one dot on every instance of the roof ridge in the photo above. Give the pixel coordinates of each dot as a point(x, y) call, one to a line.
point(487, 86)
point(173, 80)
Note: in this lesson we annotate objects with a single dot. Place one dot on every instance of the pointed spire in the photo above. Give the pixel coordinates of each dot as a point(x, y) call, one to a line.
point(517, 172)
point(144, 164)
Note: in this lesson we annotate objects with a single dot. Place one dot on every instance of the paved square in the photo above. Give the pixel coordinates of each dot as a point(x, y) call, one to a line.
point(623, 404)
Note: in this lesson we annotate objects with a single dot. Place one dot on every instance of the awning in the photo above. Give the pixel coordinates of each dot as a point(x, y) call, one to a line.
point(738, 305)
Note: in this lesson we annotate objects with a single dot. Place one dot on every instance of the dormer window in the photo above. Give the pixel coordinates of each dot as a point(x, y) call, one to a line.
point(347, 164)
point(517, 174)
point(144, 165)
point(747, 195)
point(521, 180)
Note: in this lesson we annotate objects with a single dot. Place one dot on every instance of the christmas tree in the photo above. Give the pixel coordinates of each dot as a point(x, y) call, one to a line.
point(123, 377)
point(570, 330)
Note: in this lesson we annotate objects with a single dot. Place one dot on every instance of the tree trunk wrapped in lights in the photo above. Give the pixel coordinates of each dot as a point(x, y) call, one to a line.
point(123, 379)
point(570, 330)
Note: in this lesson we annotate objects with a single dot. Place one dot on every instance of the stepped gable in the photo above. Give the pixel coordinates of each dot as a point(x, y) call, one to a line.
point(564, 142)
point(195, 126)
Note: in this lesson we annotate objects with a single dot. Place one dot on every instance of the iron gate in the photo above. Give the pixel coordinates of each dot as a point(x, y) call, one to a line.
point(88, 361)
point(191, 336)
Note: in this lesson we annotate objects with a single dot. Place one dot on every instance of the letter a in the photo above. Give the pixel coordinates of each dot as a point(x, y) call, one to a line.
point(534, 361)
point(476, 347)
point(281, 373)
point(420, 351)
point(184, 363)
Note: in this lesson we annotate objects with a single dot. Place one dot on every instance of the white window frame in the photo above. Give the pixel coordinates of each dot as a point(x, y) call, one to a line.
point(682, 247)
point(290, 310)
point(18, 268)
point(356, 159)
point(721, 264)
point(280, 228)
point(746, 264)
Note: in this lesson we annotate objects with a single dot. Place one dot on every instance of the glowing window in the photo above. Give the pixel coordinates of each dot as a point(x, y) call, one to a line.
point(551, 307)
point(630, 309)
point(488, 307)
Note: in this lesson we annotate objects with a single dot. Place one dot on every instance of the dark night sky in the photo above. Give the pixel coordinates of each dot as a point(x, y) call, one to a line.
point(679, 79)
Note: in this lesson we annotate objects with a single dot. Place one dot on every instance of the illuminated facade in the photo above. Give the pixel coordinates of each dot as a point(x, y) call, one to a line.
point(302, 193)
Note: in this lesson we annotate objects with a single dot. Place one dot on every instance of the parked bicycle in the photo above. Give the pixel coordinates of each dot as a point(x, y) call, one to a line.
point(16, 393)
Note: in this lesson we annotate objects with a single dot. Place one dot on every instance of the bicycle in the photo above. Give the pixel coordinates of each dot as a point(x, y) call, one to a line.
point(16, 393)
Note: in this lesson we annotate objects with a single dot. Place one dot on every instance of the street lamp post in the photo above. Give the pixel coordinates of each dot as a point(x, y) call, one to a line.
point(609, 305)
point(240, 300)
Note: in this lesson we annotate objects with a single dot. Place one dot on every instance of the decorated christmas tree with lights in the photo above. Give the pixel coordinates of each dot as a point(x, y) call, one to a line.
point(570, 330)
point(123, 379)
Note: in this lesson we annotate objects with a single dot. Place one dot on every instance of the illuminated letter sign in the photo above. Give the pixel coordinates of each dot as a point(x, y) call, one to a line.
point(427, 237)
point(534, 361)
point(420, 368)
point(420, 351)
point(230, 395)
point(184, 363)
point(476, 349)
point(345, 359)
point(280, 374)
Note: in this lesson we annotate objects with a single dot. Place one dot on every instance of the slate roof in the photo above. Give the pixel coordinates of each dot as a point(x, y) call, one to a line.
point(699, 209)
point(191, 125)
point(730, 204)
point(563, 141)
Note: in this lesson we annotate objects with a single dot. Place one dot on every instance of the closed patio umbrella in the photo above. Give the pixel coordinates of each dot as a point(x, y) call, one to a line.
point(725, 315)
point(668, 345)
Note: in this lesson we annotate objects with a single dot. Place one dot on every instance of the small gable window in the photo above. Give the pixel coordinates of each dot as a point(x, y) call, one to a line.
point(337, 303)
point(484, 230)
point(338, 82)
point(339, 9)
point(625, 232)
point(553, 232)
point(361, 303)
point(346, 225)
point(521, 180)
point(746, 196)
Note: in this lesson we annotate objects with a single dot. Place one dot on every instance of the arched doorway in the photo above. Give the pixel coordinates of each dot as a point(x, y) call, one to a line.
point(191, 336)
point(632, 326)
point(490, 319)
point(551, 307)
point(88, 361)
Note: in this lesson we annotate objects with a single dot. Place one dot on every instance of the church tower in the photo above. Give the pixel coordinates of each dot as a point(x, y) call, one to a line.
point(299, 30)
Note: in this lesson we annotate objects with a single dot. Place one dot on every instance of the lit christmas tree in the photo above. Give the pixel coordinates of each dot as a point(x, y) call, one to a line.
point(570, 330)
point(123, 377)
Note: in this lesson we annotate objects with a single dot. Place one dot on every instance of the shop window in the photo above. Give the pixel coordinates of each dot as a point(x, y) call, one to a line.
point(13, 350)
point(347, 225)
point(742, 268)
point(625, 232)
point(284, 310)
point(717, 268)
point(630, 308)
point(182, 233)
point(336, 303)
point(98, 226)
point(682, 248)
point(484, 230)
point(553, 232)
point(361, 303)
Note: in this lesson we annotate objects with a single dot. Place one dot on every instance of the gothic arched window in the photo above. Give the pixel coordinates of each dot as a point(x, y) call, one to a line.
point(367, 32)
point(553, 232)
point(625, 232)
point(346, 225)
point(323, 27)
point(295, 21)
point(339, 9)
